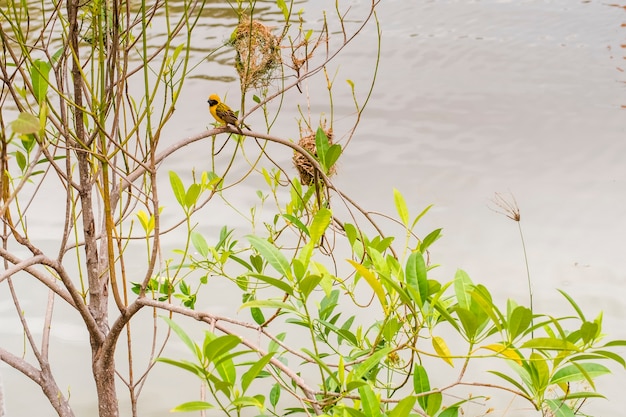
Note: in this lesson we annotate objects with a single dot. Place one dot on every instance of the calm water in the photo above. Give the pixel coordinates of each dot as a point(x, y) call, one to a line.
point(472, 98)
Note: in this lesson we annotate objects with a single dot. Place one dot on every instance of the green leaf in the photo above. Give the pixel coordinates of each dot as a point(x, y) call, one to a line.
point(321, 145)
point(195, 349)
point(333, 154)
point(430, 239)
point(434, 403)
point(549, 343)
point(521, 317)
point(463, 287)
point(450, 412)
point(178, 188)
point(21, 160)
point(253, 372)
point(186, 365)
point(25, 124)
point(403, 408)
point(573, 304)
point(420, 385)
point(281, 285)
point(257, 315)
point(191, 196)
point(191, 406)
point(416, 277)
point(320, 223)
point(215, 348)
point(297, 222)
point(39, 73)
point(369, 402)
point(275, 394)
point(468, 321)
point(248, 402)
point(268, 304)
point(200, 244)
point(307, 285)
point(419, 216)
point(571, 373)
point(510, 380)
point(271, 254)
point(589, 331)
point(560, 408)
point(401, 207)
point(283, 8)
point(365, 366)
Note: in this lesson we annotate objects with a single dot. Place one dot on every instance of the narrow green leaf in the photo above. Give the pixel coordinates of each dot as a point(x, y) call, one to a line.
point(187, 366)
point(463, 287)
point(401, 207)
point(615, 343)
point(468, 321)
point(191, 406)
point(560, 408)
point(21, 160)
point(521, 318)
point(510, 381)
point(321, 145)
point(178, 188)
point(421, 384)
point(403, 408)
point(416, 277)
point(419, 216)
point(549, 343)
point(253, 372)
point(271, 254)
point(363, 368)
point(322, 365)
point(283, 8)
point(195, 349)
point(281, 285)
point(200, 244)
point(268, 304)
point(248, 402)
point(333, 154)
point(573, 304)
point(430, 239)
point(571, 373)
point(369, 402)
point(296, 222)
point(39, 73)
point(275, 394)
point(611, 355)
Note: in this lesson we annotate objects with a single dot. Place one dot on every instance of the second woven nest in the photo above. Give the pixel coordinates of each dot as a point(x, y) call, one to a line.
point(302, 163)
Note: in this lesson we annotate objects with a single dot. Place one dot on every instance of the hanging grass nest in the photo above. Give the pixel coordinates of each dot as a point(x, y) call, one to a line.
point(303, 165)
point(258, 53)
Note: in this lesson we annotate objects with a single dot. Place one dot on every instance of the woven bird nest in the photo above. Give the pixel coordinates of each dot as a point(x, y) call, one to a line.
point(303, 165)
point(258, 53)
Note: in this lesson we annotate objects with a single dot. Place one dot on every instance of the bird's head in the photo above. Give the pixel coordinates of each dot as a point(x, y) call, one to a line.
point(214, 99)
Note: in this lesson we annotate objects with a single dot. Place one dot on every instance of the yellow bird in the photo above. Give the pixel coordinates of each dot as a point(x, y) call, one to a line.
point(222, 113)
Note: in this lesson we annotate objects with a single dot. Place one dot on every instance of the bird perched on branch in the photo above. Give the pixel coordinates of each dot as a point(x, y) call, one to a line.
point(223, 114)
